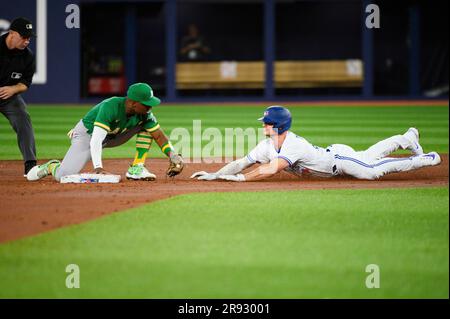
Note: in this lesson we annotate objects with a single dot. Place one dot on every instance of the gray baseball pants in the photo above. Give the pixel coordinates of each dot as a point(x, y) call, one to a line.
point(79, 152)
point(15, 111)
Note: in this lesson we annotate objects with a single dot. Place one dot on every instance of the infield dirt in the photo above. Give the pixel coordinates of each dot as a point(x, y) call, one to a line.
point(29, 208)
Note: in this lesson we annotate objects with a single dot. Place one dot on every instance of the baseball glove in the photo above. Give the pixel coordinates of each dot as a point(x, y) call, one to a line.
point(176, 165)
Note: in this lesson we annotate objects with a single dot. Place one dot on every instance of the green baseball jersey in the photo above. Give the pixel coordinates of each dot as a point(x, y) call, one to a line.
point(110, 115)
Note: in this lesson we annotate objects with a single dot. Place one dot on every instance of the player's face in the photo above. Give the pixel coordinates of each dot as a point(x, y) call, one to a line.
point(18, 41)
point(140, 108)
point(269, 130)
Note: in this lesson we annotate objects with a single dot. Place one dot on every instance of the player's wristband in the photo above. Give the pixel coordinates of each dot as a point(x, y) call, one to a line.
point(167, 148)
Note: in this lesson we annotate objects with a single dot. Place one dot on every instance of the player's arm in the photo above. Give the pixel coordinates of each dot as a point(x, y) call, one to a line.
point(256, 155)
point(98, 135)
point(267, 170)
point(232, 168)
point(163, 142)
point(102, 126)
point(176, 163)
point(262, 172)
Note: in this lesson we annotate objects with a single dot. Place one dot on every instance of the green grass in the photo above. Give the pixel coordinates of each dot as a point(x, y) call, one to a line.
point(358, 127)
point(296, 244)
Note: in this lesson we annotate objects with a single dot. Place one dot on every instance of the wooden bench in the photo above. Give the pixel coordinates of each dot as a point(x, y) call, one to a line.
point(208, 75)
point(251, 75)
point(310, 74)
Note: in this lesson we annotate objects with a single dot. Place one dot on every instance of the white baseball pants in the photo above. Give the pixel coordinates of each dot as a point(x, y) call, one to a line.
point(373, 163)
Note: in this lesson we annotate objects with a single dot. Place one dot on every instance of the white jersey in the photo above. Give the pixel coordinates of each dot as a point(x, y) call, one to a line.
point(302, 156)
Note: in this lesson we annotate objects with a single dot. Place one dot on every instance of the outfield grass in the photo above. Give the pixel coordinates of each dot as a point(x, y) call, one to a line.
point(296, 244)
point(293, 244)
point(359, 127)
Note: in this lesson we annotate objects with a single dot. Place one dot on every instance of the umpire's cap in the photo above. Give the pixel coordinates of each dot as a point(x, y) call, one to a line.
point(23, 26)
point(142, 93)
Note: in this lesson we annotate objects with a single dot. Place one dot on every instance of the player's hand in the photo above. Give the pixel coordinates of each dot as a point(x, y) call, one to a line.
point(233, 178)
point(6, 92)
point(176, 165)
point(204, 176)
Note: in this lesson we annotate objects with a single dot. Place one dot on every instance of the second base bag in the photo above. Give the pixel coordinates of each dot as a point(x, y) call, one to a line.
point(86, 178)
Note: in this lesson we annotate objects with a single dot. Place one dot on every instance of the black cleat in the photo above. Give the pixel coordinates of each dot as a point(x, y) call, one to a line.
point(28, 165)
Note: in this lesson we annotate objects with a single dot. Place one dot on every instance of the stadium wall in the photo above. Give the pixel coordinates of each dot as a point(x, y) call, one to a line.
point(58, 51)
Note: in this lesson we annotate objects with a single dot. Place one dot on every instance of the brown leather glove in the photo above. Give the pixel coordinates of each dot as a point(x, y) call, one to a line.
point(176, 165)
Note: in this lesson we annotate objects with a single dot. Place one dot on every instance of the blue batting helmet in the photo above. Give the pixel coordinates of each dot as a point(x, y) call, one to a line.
point(278, 116)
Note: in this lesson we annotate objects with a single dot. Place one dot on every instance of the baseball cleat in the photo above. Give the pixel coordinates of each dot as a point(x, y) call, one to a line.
point(28, 165)
point(431, 158)
point(140, 173)
point(412, 135)
point(40, 171)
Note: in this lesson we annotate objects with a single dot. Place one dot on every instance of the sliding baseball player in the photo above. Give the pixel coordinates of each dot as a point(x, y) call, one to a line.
point(284, 150)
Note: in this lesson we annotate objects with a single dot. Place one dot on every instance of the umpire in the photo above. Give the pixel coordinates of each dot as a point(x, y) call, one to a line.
point(17, 67)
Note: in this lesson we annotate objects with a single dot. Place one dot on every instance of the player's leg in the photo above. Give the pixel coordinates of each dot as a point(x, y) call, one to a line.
point(408, 140)
point(75, 159)
point(78, 154)
point(17, 115)
point(359, 167)
point(138, 171)
point(143, 143)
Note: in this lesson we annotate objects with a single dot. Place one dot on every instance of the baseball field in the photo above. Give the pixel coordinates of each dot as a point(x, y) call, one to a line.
point(178, 238)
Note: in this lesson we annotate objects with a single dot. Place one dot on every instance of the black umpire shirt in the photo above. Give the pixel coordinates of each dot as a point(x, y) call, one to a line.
point(16, 66)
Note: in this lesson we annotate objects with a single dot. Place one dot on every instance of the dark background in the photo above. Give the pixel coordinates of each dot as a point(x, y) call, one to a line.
point(234, 30)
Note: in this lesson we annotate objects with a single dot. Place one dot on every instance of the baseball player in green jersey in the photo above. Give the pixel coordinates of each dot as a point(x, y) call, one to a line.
point(111, 123)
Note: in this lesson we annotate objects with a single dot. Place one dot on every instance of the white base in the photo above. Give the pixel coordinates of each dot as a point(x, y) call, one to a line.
point(86, 178)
